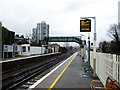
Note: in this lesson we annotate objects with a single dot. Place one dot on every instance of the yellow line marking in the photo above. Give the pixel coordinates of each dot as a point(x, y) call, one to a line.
point(53, 84)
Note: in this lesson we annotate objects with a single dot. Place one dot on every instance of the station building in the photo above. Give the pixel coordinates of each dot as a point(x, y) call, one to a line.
point(8, 38)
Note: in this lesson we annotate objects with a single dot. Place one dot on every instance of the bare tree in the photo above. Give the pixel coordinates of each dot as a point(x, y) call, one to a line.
point(114, 33)
point(28, 36)
point(22, 36)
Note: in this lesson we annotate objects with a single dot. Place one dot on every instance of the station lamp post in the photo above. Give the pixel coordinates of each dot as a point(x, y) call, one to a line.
point(94, 60)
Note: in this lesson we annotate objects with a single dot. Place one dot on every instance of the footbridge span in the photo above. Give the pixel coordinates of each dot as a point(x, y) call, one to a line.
point(76, 39)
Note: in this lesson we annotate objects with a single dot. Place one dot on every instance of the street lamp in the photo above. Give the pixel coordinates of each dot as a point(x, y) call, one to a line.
point(94, 60)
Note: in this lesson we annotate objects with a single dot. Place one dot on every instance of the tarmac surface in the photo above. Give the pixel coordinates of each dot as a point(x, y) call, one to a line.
point(70, 75)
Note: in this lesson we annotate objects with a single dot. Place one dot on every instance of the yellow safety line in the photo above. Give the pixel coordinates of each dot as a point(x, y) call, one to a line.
point(53, 84)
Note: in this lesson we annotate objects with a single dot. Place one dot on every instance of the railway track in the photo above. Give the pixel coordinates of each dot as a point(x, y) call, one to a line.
point(14, 70)
point(15, 80)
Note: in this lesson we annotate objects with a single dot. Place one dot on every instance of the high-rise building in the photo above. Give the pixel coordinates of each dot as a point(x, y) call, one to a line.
point(34, 34)
point(40, 34)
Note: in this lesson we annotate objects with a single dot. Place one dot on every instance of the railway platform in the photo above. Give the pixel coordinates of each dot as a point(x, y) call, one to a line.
point(25, 57)
point(69, 74)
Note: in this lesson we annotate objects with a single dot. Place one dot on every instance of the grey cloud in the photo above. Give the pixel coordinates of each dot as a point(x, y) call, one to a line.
point(62, 15)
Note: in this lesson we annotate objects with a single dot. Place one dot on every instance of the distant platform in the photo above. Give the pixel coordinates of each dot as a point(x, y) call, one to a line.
point(25, 57)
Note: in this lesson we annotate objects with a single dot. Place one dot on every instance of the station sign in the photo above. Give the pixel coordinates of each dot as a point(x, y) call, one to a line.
point(8, 48)
point(85, 25)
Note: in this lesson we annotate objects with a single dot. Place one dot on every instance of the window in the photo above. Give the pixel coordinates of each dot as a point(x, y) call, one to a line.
point(24, 49)
point(28, 48)
point(43, 27)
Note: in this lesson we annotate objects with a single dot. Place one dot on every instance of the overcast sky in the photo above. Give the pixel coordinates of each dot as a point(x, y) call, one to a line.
point(63, 16)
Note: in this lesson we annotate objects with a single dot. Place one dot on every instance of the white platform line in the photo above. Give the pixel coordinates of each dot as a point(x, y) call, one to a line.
point(44, 77)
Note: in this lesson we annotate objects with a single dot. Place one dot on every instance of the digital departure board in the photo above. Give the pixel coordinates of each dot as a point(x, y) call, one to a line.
point(85, 25)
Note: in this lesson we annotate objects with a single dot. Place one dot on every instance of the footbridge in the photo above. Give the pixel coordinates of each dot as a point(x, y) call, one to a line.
point(76, 39)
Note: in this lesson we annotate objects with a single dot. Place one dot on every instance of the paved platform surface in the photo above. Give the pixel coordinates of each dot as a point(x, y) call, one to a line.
point(71, 74)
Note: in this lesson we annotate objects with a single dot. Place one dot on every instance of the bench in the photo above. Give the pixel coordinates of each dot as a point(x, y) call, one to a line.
point(111, 84)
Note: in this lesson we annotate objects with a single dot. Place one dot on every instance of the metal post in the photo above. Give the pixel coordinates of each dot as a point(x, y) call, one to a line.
point(80, 50)
point(85, 49)
point(94, 60)
point(80, 47)
point(89, 51)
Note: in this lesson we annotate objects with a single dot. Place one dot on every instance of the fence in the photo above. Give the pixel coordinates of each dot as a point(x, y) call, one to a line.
point(106, 65)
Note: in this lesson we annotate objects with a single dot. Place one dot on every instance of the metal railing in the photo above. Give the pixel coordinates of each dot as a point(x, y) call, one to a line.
point(106, 65)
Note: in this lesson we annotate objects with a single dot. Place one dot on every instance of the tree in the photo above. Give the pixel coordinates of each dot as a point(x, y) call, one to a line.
point(104, 47)
point(17, 35)
point(63, 49)
point(114, 33)
point(28, 36)
point(113, 47)
point(22, 36)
